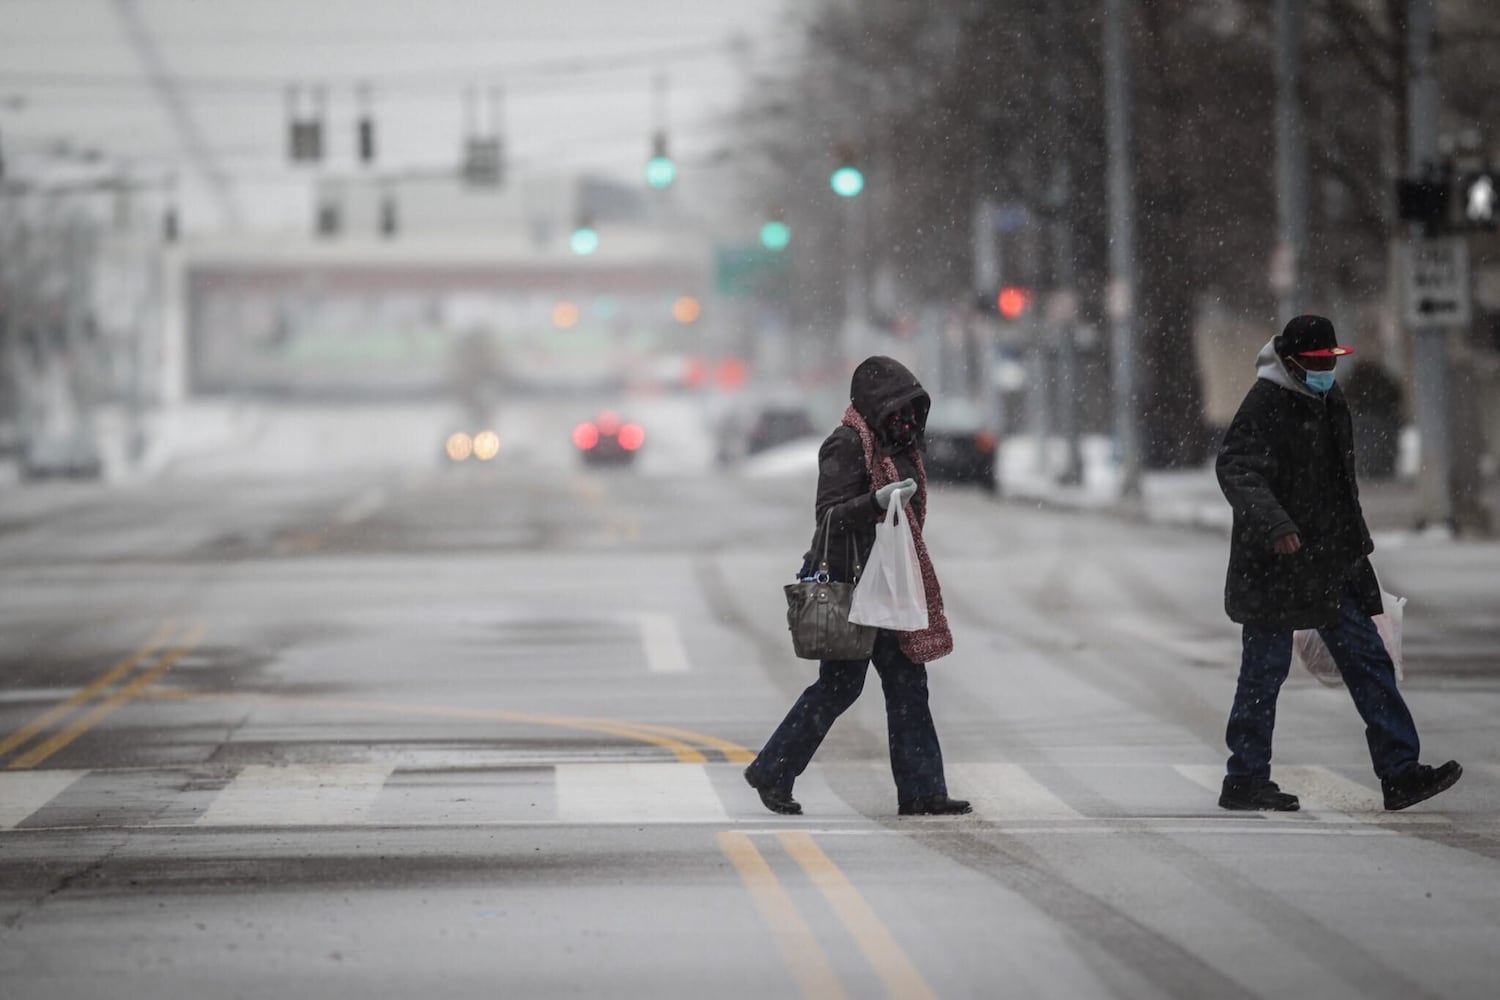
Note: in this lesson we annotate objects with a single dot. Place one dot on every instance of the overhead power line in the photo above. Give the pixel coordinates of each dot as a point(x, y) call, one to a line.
point(194, 143)
point(387, 82)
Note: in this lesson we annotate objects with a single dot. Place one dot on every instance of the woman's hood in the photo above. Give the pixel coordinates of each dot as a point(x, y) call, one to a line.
point(881, 386)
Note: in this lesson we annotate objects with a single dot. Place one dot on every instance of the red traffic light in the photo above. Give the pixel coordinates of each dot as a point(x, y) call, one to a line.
point(1014, 301)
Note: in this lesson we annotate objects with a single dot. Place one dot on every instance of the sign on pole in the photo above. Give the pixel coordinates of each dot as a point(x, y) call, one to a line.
point(1436, 287)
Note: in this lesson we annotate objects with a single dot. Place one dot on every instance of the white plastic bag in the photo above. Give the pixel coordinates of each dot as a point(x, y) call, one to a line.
point(890, 594)
point(1312, 652)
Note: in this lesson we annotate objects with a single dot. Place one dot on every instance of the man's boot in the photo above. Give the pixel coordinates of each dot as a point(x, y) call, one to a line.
point(1420, 782)
point(1256, 795)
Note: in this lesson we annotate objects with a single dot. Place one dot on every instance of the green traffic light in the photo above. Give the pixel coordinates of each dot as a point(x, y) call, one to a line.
point(847, 182)
point(585, 241)
point(775, 235)
point(661, 171)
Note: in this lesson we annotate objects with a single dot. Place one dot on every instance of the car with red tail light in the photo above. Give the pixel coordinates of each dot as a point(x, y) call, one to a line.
point(608, 439)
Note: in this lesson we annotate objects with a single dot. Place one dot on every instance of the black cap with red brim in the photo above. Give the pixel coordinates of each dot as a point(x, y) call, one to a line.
point(1309, 336)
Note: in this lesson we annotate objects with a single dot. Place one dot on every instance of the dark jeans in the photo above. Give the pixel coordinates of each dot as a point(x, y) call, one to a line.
point(1368, 673)
point(916, 759)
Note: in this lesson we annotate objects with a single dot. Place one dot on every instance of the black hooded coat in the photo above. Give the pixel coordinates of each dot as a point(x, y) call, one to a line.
point(1287, 465)
point(880, 387)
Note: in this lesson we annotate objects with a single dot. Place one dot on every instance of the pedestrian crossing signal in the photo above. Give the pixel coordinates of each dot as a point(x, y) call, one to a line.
point(1478, 204)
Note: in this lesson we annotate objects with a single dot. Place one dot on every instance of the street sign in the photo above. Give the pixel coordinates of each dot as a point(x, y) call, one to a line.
point(1436, 288)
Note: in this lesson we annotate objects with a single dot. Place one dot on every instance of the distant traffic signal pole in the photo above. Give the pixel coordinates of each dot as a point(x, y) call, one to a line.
point(1429, 342)
point(1291, 163)
point(1062, 310)
point(1122, 266)
point(847, 181)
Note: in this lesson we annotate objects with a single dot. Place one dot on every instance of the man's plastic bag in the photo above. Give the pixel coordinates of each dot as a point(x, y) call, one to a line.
point(1311, 651)
point(890, 594)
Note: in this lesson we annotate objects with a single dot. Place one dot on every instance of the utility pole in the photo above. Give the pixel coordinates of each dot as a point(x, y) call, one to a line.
point(1063, 308)
point(1122, 264)
point(1429, 342)
point(1291, 164)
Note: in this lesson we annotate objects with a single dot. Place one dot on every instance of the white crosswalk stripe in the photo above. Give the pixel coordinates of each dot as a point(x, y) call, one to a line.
point(636, 793)
point(24, 792)
point(1323, 792)
point(598, 792)
point(298, 795)
point(1008, 792)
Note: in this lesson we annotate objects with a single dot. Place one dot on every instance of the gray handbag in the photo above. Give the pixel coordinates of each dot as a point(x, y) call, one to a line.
point(817, 612)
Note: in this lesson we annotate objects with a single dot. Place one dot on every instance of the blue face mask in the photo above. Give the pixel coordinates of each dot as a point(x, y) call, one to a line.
point(1320, 382)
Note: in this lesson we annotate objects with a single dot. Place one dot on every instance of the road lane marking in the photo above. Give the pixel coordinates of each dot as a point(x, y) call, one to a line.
point(25, 792)
point(733, 752)
point(1002, 792)
point(665, 737)
point(1210, 828)
point(799, 946)
point(664, 651)
point(103, 681)
point(124, 696)
point(1331, 792)
point(1324, 795)
point(880, 948)
point(298, 795)
point(635, 793)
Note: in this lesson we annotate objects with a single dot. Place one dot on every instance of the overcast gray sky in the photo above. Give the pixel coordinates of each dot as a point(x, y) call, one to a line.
point(577, 77)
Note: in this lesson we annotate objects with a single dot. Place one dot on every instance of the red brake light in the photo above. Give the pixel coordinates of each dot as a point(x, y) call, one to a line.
point(985, 441)
point(585, 436)
point(631, 437)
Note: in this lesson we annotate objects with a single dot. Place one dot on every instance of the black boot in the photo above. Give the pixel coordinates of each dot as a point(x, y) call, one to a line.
point(1256, 795)
point(935, 805)
point(1420, 782)
point(778, 800)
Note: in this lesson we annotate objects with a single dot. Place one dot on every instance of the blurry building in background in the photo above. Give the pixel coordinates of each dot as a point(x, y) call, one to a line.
point(568, 282)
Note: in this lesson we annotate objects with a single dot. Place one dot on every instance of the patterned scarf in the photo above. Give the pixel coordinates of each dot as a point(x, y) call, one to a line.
point(936, 639)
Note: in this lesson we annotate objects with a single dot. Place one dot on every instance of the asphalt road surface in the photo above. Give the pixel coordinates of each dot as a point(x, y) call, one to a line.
point(388, 732)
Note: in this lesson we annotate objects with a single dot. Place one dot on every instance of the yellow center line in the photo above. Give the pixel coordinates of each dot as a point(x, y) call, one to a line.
point(105, 680)
point(58, 741)
point(685, 754)
point(806, 958)
point(900, 976)
point(733, 752)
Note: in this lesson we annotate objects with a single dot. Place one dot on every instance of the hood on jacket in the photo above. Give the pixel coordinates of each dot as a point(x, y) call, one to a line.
point(1270, 366)
point(880, 387)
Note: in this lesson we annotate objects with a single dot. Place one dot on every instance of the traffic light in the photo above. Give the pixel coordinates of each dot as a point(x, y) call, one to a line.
point(1423, 200)
point(687, 309)
point(484, 161)
point(661, 169)
point(390, 218)
point(329, 220)
point(366, 140)
point(847, 179)
point(364, 128)
point(775, 234)
point(1013, 301)
point(585, 238)
point(304, 129)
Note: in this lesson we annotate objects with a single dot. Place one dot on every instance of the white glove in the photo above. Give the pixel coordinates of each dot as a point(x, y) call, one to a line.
point(902, 491)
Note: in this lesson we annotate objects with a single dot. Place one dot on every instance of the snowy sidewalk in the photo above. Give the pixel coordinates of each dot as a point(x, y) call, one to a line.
point(1187, 497)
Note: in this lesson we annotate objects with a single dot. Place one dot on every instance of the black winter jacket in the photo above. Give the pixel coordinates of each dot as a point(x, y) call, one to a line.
point(1287, 465)
point(880, 387)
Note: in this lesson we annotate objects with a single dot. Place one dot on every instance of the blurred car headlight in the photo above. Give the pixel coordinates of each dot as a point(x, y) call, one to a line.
point(460, 446)
point(486, 445)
